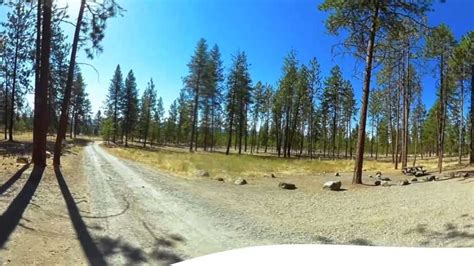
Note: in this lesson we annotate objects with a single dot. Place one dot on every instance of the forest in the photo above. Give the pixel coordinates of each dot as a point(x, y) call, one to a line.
point(220, 108)
point(195, 150)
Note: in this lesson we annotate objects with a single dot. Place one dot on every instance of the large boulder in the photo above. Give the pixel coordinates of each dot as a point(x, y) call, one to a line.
point(333, 185)
point(240, 181)
point(284, 185)
point(22, 160)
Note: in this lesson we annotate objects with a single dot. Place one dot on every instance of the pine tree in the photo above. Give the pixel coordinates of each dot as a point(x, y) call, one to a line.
point(439, 44)
point(114, 97)
point(158, 118)
point(195, 82)
point(374, 19)
point(16, 56)
point(238, 99)
point(148, 103)
point(171, 135)
point(129, 106)
point(91, 23)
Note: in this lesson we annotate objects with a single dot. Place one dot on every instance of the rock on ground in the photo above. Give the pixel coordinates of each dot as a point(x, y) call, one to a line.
point(284, 185)
point(202, 173)
point(429, 178)
point(383, 178)
point(23, 160)
point(240, 181)
point(332, 185)
point(403, 182)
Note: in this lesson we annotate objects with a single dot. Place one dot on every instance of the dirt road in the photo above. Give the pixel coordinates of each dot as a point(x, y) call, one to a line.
point(144, 216)
point(139, 215)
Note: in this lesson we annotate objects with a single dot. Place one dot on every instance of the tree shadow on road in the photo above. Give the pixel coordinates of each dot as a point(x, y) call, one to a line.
point(451, 234)
point(13, 179)
point(97, 249)
point(161, 252)
point(13, 214)
point(92, 252)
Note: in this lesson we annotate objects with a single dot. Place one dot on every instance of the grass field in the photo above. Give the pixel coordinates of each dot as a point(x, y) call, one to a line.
point(179, 161)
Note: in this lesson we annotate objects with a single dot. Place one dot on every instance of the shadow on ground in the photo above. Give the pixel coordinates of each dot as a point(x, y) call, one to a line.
point(14, 212)
point(5, 186)
point(451, 234)
point(99, 248)
point(357, 241)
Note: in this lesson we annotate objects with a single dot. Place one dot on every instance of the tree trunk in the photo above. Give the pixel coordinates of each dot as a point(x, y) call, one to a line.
point(441, 118)
point(471, 155)
point(461, 123)
point(397, 133)
point(12, 96)
point(195, 116)
point(5, 115)
point(41, 92)
point(406, 110)
point(365, 99)
point(62, 127)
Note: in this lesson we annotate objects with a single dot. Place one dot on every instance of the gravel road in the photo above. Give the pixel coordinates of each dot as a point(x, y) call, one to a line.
point(138, 215)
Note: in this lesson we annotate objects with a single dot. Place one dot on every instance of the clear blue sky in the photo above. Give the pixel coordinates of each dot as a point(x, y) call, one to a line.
point(156, 38)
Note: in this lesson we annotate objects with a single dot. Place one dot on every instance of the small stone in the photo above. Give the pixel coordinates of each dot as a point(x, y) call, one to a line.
point(284, 185)
point(378, 173)
point(273, 176)
point(403, 182)
point(383, 178)
point(220, 179)
point(429, 178)
point(22, 160)
point(333, 185)
point(240, 181)
point(384, 183)
point(414, 179)
point(337, 174)
point(377, 183)
point(48, 154)
point(202, 173)
point(371, 176)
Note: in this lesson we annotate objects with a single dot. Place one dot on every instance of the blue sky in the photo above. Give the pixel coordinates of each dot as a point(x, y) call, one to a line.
point(156, 38)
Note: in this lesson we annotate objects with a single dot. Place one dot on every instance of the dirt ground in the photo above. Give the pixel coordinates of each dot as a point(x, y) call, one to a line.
point(35, 227)
point(100, 209)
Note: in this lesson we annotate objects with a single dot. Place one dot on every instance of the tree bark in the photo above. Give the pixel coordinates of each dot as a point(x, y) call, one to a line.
point(40, 122)
point(357, 179)
point(441, 118)
point(461, 122)
point(12, 96)
point(195, 116)
point(62, 127)
point(471, 155)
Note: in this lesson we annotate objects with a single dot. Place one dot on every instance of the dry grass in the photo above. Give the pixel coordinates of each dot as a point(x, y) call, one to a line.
point(221, 165)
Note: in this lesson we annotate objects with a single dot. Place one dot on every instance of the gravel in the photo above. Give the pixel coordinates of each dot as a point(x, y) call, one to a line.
point(214, 216)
